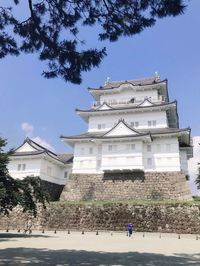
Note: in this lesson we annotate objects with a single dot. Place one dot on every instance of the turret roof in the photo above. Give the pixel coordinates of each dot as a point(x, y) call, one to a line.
point(134, 82)
point(38, 149)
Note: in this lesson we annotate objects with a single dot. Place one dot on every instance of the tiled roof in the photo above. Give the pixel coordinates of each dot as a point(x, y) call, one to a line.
point(63, 158)
point(66, 157)
point(142, 81)
point(134, 82)
point(152, 131)
point(38, 146)
point(26, 153)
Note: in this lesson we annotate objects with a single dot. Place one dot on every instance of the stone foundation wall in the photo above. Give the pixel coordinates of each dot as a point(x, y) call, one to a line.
point(176, 218)
point(149, 185)
point(53, 190)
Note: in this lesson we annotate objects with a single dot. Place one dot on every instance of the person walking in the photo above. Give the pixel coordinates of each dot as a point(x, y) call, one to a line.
point(130, 229)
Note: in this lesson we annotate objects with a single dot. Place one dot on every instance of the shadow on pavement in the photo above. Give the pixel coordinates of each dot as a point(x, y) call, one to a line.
point(8, 236)
point(28, 256)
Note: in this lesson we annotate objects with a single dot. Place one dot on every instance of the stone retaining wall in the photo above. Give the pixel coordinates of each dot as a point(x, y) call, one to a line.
point(138, 185)
point(53, 190)
point(155, 218)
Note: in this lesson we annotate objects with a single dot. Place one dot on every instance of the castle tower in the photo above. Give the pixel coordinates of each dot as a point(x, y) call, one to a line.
point(133, 135)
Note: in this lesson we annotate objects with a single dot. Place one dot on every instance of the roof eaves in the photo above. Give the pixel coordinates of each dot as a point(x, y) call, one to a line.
point(18, 154)
point(126, 82)
point(128, 108)
point(172, 132)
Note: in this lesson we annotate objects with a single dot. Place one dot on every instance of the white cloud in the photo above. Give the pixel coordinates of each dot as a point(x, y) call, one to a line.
point(43, 143)
point(27, 128)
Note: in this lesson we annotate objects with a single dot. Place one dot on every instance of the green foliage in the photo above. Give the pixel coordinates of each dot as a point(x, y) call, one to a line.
point(131, 202)
point(51, 28)
point(13, 192)
point(196, 198)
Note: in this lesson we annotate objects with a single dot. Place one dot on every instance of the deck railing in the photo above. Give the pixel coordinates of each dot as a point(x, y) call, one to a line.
point(131, 102)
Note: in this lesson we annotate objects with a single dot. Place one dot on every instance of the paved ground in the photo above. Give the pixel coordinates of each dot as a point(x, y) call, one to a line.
point(103, 249)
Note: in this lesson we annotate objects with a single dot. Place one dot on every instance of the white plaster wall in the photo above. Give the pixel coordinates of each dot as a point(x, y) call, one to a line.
point(143, 118)
point(122, 156)
point(84, 162)
point(55, 175)
point(184, 160)
point(38, 167)
point(32, 167)
point(126, 95)
point(164, 156)
point(193, 165)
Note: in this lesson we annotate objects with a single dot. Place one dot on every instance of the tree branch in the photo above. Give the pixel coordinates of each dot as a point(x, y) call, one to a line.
point(42, 34)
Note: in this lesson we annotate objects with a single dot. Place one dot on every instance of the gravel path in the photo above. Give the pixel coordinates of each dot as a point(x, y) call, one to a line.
point(102, 249)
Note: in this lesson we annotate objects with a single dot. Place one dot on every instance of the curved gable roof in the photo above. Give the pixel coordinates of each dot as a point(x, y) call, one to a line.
point(104, 106)
point(124, 130)
point(146, 102)
point(37, 150)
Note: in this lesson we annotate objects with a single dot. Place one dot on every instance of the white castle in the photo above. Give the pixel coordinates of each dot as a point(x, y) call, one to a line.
point(132, 126)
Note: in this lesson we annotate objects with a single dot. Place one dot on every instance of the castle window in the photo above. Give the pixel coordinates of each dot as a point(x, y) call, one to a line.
point(149, 147)
point(90, 150)
point(49, 170)
point(101, 126)
point(65, 174)
point(82, 151)
point(135, 124)
point(152, 123)
point(112, 147)
point(168, 147)
point(158, 146)
point(99, 149)
point(98, 164)
point(149, 161)
point(19, 167)
point(132, 146)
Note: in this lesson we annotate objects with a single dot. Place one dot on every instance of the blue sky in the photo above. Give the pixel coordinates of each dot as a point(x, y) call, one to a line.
point(45, 109)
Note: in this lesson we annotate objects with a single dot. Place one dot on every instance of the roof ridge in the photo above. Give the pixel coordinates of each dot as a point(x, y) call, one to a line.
point(131, 80)
point(44, 148)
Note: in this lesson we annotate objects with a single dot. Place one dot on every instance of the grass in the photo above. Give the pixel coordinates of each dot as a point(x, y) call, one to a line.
point(195, 201)
point(196, 198)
